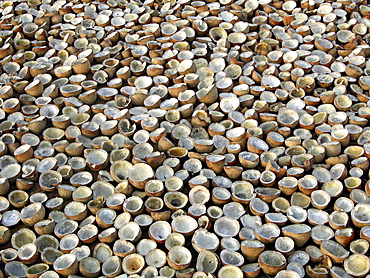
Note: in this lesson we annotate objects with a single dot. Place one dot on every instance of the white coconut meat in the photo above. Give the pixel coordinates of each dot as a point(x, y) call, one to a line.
point(226, 227)
point(160, 230)
point(64, 261)
point(140, 172)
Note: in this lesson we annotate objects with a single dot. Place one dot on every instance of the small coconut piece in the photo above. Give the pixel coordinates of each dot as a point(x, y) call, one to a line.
point(156, 258)
point(81, 252)
point(207, 261)
point(179, 257)
point(89, 267)
point(267, 233)
point(112, 267)
point(252, 249)
point(130, 231)
point(184, 224)
point(357, 265)
point(49, 255)
point(28, 253)
point(133, 264)
point(230, 271)
point(66, 265)
point(139, 174)
point(33, 213)
point(75, 211)
point(284, 245)
point(16, 269)
point(300, 233)
point(97, 159)
point(226, 227)
point(159, 231)
point(203, 240)
point(334, 250)
point(271, 262)
point(36, 270)
point(10, 218)
point(359, 246)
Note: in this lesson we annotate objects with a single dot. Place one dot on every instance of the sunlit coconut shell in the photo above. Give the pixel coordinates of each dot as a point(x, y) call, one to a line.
point(88, 233)
point(252, 249)
point(300, 233)
point(112, 267)
point(359, 246)
point(69, 242)
point(89, 267)
point(204, 241)
point(49, 255)
point(267, 233)
point(337, 272)
point(174, 239)
point(23, 153)
point(32, 214)
point(251, 270)
point(65, 227)
point(133, 263)
point(284, 245)
point(139, 174)
point(46, 241)
point(105, 217)
point(226, 226)
point(108, 235)
point(145, 246)
point(258, 206)
point(288, 185)
point(184, 225)
point(229, 257)
point(179, 257)
point(122, 248)
point(130, 231)
point(103, 189)
point(81, 252)
point(22, 237)
point(36, 270)
point(287, 117)
point(256, 145)
point(357, 265)
point(15, 268)
point(53, 134)
point(102, 252)
point(338, 220)
point(207, 261)
point(270, 82)
point(133, 205)
point(97, 159)
point(175, 200)
point(8, 255)
point(334, 250)
point(75, 211)
point(159, 231)
point(66, 265)
point(320, 199)
point(359, 215)
point(10, 218)
point(296, 214)
point(320, 233)
point(156, 258)
point(28, 253)
point(242, 191)
point(271, 262)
